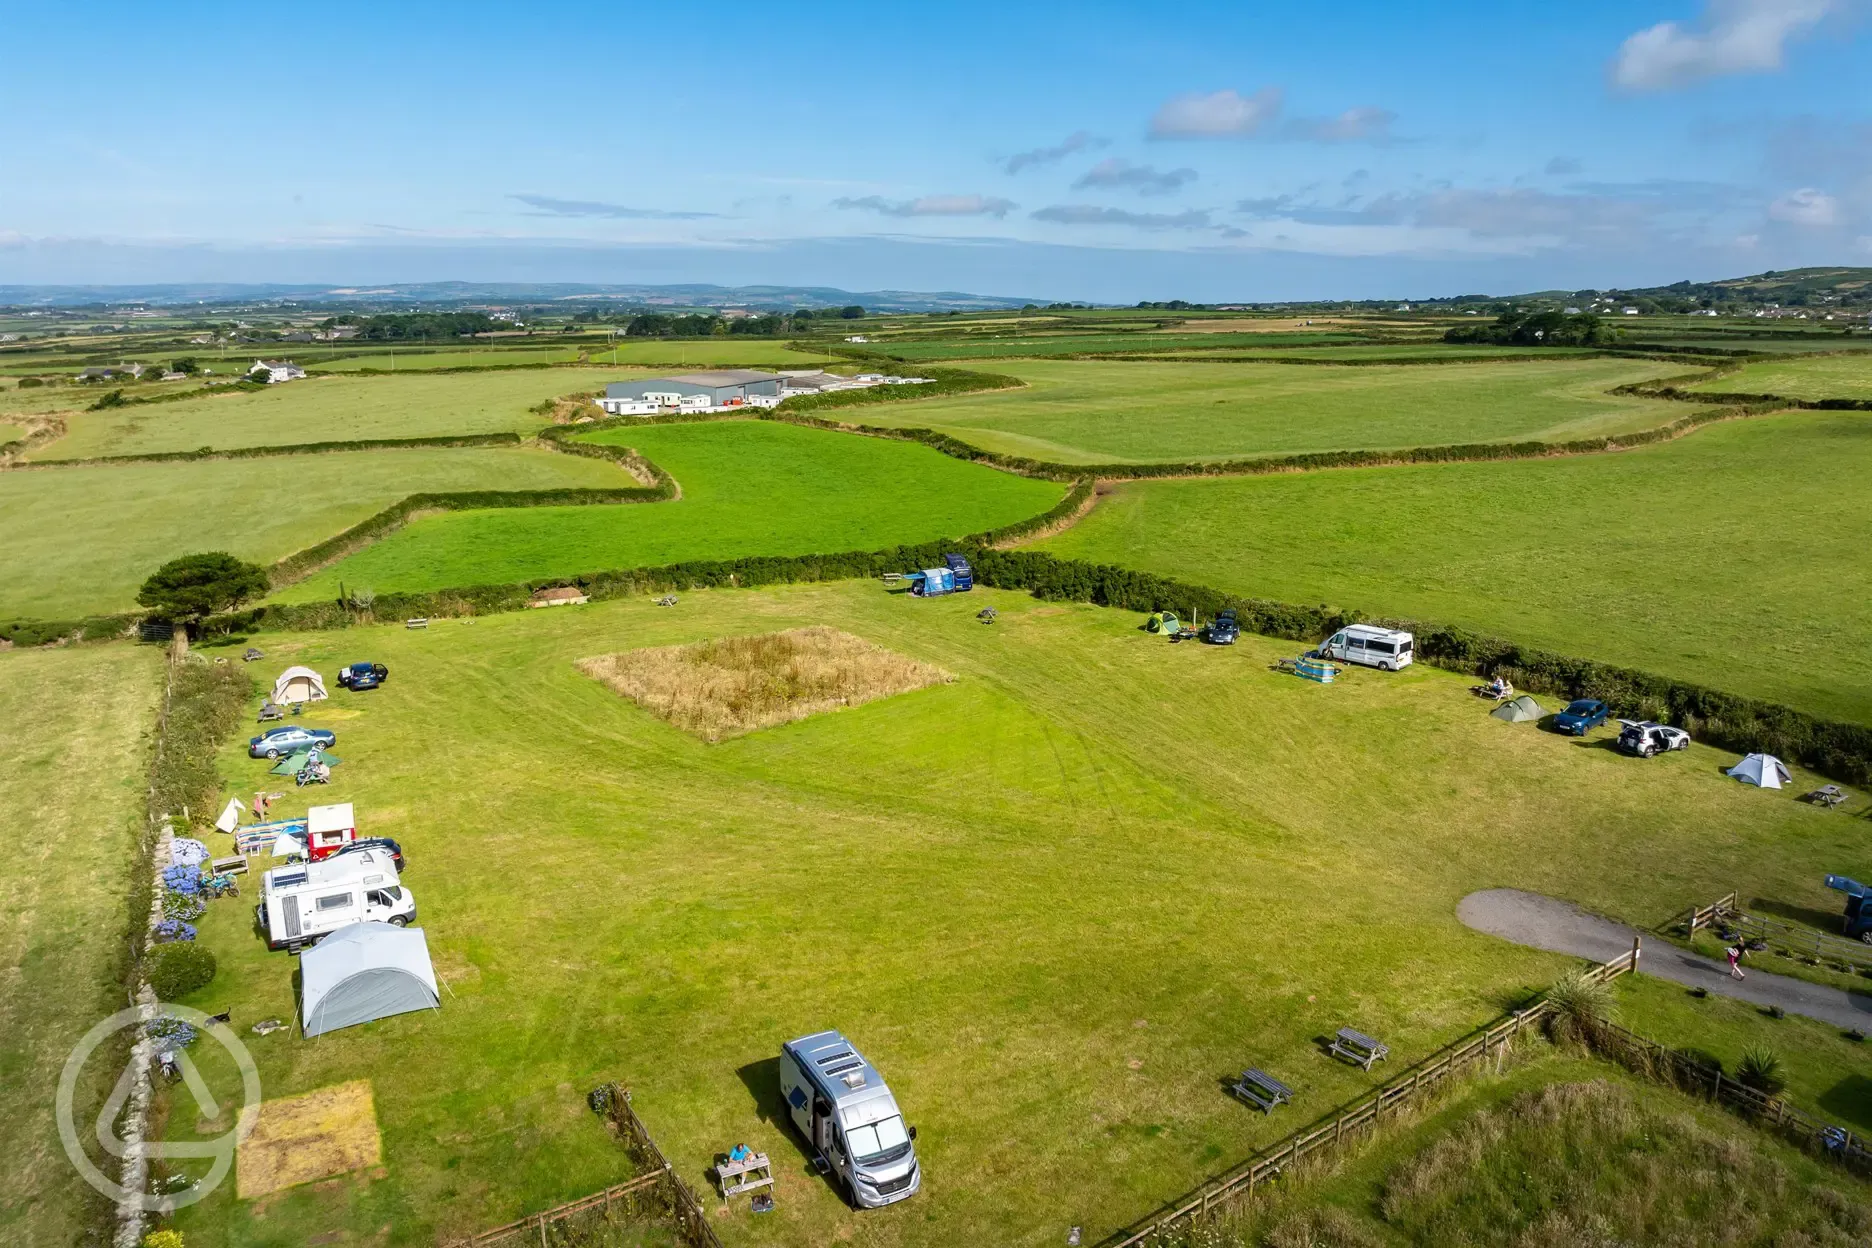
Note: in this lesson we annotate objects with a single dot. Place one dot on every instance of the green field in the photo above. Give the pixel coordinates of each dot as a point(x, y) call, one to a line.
point(1057, 901)
point(328, 409)
point(709, 352)
point(81, 539)
point(9, 433)
point(72, 725)
point(1679, 558)
point(1039, 346)
point(1846, 376)
point(1100, 412)
point(749, 488)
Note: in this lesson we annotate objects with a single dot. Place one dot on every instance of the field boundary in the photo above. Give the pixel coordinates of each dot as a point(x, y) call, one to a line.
point(559, 1213)
point(294, 448)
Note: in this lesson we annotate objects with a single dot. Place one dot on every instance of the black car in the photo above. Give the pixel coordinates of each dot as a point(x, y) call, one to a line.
point(1223, 630)
point(375, 842)
point(289, 740)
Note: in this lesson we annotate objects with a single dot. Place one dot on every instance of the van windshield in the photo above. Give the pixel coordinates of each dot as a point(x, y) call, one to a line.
point(877, 1141)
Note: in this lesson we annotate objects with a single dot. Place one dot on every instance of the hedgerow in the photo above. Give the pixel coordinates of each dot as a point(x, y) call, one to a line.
point(299, 448)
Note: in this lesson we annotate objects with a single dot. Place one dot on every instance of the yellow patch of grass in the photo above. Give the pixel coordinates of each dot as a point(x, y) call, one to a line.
point(299, 1139)
point(725, 688)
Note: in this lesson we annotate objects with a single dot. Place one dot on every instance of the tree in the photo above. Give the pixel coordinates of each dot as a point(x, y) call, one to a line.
point(190, 589)
point(851, 313)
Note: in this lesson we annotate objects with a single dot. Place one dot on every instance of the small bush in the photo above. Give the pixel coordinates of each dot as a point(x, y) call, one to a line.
point(163, 1239)
point(1761, 1070)
point(180, 968)
point(1580, 1008)
point(28, 383)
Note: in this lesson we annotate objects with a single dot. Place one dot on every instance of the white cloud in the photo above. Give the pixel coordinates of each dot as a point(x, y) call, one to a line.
point(1734, 37)
point(1355, 125)
point(1122, 175)
point(1220, 114)
point(1091, 214)
point(1078, 141)
point(933, 206)
point(547, 206)
point(1806, 206)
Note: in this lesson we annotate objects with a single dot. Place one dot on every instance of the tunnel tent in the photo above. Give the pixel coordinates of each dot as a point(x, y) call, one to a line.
point(298, 684)
point(362, 972)
point(1518, 710)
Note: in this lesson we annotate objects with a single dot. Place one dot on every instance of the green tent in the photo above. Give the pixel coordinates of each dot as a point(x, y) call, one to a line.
point(293, 764)
point(1518, 710)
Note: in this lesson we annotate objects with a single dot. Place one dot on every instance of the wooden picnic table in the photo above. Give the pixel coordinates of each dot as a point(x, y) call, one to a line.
point(745, 1175)
point(1359, 1048)
point(1262, 1090)
point(1827, 795)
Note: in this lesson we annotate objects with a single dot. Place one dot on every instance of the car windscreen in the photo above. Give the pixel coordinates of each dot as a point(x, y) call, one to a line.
point(877, 1140)
point(1580, 708)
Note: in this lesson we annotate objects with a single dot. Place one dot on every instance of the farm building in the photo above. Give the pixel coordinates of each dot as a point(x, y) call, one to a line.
point(731, 387)
point(277, 370)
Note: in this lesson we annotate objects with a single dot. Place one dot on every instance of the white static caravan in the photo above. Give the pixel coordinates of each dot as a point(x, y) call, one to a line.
point(1386, 648)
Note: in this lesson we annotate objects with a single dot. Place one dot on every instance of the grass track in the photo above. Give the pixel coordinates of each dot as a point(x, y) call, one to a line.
point(749, 488)
point(81, 540)
point(1057, 901)
point(1678, 558)
point(1104, 411)
point(72, 725)
point(328, 409)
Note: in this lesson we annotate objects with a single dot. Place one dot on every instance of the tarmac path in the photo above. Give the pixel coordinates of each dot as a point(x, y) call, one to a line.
point(1562, 927)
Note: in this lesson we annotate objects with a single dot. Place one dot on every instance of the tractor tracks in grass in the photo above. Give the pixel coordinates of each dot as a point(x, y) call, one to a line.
point(1557, 926)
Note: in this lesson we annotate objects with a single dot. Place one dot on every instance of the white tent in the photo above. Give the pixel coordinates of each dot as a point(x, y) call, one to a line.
point(298, 684)
point(1764, 770)
point(230, 817)
point(362, 972)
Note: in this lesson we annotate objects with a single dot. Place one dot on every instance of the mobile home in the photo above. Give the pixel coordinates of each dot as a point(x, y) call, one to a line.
point(1387, 648)
point(839, 1102)
point(299, 904)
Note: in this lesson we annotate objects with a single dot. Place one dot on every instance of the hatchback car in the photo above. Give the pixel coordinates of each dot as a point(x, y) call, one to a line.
point(277, 741)
point(1223, 630)
point(1581, 715)
point(363, 676)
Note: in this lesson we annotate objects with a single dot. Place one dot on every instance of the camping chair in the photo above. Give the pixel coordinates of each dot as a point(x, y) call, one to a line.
point(313, 773)
point(250, 655)
point(986, 615)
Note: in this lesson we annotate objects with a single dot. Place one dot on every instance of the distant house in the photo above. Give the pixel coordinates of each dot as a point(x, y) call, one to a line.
point(277, 370)
point(558, 596)
point(1629, 311)
point(111, 373)
point(172, 375)
point(857, 338)
point(710, 391)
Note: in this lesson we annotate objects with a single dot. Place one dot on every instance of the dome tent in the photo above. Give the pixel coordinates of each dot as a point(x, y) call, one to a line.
point(298, 684)
point(363, 972)
point(1519, 710)
point(1763, 770)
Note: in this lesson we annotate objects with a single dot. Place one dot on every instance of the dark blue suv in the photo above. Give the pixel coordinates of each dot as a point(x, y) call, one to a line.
point(1581, 715)
point(363, 676)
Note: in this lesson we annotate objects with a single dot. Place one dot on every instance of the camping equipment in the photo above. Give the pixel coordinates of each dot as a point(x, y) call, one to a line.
point(986, 615)
point(267, 1026)
point(328, 829)
point(229, 819)
point(314, 772)
point(294, 763)
point(299, 685)
point(1762, 770)
point(258, 837)
point(251, 655)
point(1316, 670)
point(362, 972)
point(667, 600)
point(1518, 710)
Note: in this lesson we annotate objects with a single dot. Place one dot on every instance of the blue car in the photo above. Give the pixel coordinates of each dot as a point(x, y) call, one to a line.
point(1223, 630)
point(363, 676)
point(1581, 715)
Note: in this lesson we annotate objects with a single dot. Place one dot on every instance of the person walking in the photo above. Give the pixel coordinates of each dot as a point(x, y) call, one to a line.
point(1734, 954)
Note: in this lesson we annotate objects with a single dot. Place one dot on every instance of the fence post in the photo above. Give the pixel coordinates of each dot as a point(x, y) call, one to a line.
point(1635, 940)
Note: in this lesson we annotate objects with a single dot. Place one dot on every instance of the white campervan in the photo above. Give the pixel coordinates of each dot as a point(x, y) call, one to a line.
point(838, 1101)
point(1387, 648)
point(301, 903)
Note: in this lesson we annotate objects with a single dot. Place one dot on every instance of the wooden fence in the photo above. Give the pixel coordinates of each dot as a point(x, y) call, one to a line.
point(536, 1227)
point(1793, 938)
point(692, 1225)
point(1487, 1044)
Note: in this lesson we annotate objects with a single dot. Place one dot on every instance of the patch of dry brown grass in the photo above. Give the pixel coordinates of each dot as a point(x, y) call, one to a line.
point(724, 688)
point(301, 1138)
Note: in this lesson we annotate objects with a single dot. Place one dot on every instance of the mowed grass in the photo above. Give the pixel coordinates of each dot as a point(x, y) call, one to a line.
point(1102, 411)
point(72, 741)
point(1056, 901)
point(1733, 557)
point(1815, 377)
point(1681, 558)
point(748, 488)
point(80, 540)
point(648, 352)
point(328, 409)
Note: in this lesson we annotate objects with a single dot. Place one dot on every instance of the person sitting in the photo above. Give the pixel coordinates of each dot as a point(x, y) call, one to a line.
point(740, 1152)
point(1500, 689)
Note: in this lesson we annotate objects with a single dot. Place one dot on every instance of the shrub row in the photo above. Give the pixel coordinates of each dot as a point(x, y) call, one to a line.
point(297, 448)
point(944, 381)
point(1777, 401)
point(44, 632)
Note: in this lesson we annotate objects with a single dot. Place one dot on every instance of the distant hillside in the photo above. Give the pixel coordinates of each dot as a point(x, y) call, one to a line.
point(1827, 290)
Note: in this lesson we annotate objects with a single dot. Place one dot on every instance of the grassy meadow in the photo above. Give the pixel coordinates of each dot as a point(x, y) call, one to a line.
point(73, 731)
point(1104, 411)
point(328, 409)
point(1681, 558)
point(1057, 901)
point(748, 488)
point(81, 539)
point(1040, 346)
point(1814, 377)
point(626, 352)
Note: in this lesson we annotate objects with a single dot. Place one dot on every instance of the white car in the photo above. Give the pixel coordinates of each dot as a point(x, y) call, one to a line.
point(1646, 738)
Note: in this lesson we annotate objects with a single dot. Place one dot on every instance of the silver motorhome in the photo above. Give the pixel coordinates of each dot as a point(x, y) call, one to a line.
point(838, 1101)
point(1388, 648)
point(301, 903)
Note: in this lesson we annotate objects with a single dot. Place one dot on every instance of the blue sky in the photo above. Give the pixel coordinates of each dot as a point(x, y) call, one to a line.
point(1111, 152)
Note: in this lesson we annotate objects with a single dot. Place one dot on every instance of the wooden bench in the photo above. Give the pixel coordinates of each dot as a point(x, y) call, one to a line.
point(1359, 1048)
point(418, 622)
point(1262, 1090)
point(237, 865)
point(736, 1177)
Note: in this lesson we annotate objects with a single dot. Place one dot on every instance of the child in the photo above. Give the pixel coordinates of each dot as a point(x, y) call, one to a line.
point(1734, 954)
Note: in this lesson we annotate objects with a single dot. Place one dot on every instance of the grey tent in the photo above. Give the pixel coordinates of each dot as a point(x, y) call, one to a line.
point(1518, 710)
point(365, 971)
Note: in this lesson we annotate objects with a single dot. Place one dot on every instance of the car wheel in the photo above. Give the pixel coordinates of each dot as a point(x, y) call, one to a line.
point(399, 921)
point(1865, 937)
point(272, 755)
